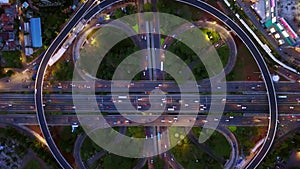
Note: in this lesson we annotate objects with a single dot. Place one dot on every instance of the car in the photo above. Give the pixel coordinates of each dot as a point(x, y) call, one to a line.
point(227, 120)
point(216, 119)
point(231, 117)
point(165, 146)
point(151, 161)
point(165, 46)
point(162, 120)
point(244, 107)
point(292, 107)
point(175, 118)
point(172, 159)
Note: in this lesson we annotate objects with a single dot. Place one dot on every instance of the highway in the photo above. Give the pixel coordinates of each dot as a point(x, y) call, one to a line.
point(117, 120)
point(282, 87)
point(42, 68)
point(263, 68)
point(254, 103)
point(41, 72)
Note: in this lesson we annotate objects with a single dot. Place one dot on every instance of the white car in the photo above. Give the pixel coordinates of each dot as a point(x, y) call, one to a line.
point(244, 107)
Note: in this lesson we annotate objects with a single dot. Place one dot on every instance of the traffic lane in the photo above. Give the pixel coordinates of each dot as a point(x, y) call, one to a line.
point(164, 119)
point(39, 81)
point(185, 120)
point(270, 88)
point(148, 86)
point(117, 120)
point(236, 103)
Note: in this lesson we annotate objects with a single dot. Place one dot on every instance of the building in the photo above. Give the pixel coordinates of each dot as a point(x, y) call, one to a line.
point(268, 13)
point(4, 2)
point(36, 32)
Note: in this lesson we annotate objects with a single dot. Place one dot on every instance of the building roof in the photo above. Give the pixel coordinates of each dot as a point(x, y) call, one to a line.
point(36, 33)
point(4, 36)
point(8, 27)
point(25, 5)
point(4, 1)
point(4, 18)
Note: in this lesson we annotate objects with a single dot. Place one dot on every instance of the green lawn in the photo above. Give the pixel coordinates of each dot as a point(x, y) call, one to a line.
point(63, 71)
point(136, 132)
point(112, 161)
point(217, 142)
point(244, 66)
point(12, 59)
point(220, 146)
point(179, 9)
point(32, 164)
point(287, 149)
point(212, 35)
point(191, 157)
point(136, 28)
point(224, 54)
point(89, 148)
point(247, 137)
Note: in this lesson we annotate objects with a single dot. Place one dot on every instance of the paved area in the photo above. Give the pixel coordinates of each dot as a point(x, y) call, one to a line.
point(290, 10)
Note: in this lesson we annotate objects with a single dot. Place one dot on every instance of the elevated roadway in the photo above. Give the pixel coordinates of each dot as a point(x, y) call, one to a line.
point(268, 81)
point(263, 68)
point(43, 66)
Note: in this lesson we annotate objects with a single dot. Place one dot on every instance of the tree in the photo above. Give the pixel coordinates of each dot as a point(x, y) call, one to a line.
point(147, 7)
point(9, 73)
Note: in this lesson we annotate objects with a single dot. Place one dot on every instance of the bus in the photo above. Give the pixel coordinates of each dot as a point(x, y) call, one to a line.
point(158, 136)
point(282, 97)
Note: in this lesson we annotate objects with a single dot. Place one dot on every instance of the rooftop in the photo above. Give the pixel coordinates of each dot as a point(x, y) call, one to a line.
point(36, 33)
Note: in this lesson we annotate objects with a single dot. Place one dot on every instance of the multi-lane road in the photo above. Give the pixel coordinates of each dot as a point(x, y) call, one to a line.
point(41, 72)
point(263, 68)
point(142, 86)
point(247, 104)
point(81, 12)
